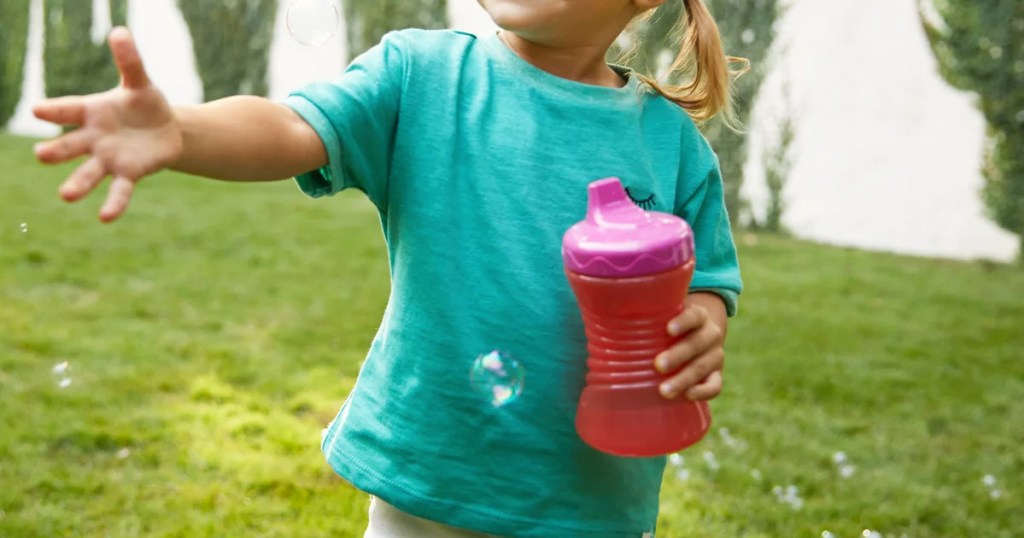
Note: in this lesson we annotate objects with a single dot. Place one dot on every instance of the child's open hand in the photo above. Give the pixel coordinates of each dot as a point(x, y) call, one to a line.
point(698, 357)
point(127, 132)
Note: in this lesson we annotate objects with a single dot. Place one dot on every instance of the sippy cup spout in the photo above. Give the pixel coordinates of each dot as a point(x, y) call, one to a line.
point(605, 196)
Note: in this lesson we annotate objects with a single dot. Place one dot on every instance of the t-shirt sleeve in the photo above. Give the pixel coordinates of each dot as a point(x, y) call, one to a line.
point(355, 117)
point(718, 269)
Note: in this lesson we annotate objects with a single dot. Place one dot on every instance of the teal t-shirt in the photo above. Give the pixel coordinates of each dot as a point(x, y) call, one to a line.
point(478, 162)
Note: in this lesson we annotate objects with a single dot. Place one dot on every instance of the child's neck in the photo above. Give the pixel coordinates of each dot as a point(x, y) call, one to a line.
point(584, 63)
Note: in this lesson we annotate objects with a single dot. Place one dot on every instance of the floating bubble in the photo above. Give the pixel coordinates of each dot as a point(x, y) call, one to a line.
point(748, 36)
point(61, 367)
point(312, 22)
point(64, 383)
point(827, 534)
point(498, 377)
point(23, 227)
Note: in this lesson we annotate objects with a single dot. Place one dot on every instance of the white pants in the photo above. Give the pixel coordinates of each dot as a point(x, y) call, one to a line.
point(386, 521)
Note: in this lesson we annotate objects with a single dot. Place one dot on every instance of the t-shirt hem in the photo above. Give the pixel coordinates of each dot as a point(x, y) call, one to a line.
point(455, 514)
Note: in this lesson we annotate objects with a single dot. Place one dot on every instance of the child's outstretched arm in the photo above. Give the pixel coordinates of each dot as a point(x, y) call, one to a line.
point(131, 131)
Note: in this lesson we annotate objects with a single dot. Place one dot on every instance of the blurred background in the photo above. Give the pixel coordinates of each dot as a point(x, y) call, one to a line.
point(168, 376)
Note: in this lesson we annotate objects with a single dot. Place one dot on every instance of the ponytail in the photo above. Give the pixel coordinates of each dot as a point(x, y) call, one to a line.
point(701, 66)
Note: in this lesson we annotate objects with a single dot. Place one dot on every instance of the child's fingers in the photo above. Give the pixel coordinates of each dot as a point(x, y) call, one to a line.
point(68, 110)
point(117, 199)
point(694, 373)
point(83, 179)
point(692, 317)
point(64, 148)
point(708, 389)
point(693, 345)
point(127, 58)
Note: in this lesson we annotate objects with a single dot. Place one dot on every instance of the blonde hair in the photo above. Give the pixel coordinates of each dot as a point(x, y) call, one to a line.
point(704, 72)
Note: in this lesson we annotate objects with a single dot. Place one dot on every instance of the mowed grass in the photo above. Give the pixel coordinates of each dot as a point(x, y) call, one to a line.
point(214, 331)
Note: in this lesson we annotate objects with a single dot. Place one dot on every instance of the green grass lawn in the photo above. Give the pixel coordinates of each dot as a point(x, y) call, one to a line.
point(214, 331)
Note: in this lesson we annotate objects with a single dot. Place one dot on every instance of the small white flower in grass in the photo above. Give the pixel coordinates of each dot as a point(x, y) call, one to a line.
point(64, 383)
point(61, 367)
point(731, 441)
point(711, 461)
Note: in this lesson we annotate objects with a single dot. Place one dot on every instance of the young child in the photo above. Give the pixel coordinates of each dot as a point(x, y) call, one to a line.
point(477, 152)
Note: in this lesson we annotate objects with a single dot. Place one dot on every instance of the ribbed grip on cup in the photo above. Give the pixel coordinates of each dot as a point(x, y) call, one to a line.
point(621, 411)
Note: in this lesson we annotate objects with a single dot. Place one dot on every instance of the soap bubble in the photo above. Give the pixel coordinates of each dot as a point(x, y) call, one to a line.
point(312, 22)
point(498, 377)
point(23, 227)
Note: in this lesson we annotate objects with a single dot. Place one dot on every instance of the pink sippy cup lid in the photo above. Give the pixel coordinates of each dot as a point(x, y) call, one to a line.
point(618, 239)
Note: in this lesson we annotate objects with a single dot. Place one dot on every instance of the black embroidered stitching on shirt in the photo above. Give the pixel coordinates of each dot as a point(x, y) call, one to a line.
point(646, 203)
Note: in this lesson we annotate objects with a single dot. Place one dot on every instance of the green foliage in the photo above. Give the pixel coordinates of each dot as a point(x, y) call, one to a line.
point(13, 40)
point(776, 169)
point(75, 65)
point(214, 343)
point(980, 48)
point(748, 31)
point(777, 164)
point(231, 40)
point(368, 20)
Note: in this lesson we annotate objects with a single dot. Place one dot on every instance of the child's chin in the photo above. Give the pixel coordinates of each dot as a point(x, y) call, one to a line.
point(510, 16)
